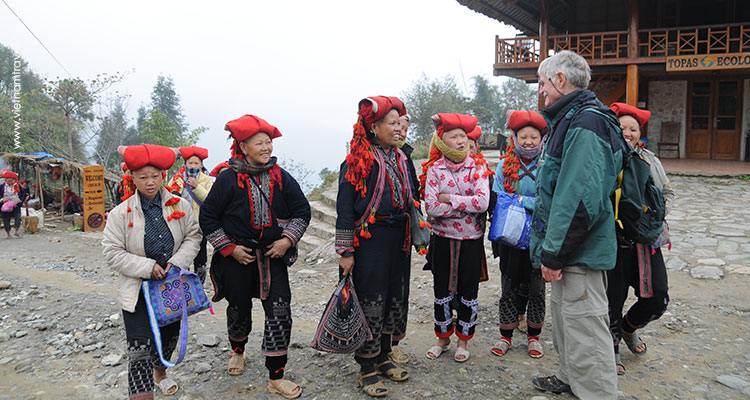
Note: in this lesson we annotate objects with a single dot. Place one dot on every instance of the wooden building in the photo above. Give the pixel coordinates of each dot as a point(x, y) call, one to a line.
point(687, 61)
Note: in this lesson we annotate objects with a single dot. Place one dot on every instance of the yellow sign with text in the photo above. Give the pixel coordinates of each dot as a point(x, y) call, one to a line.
point(93, 198)
point(704, 62)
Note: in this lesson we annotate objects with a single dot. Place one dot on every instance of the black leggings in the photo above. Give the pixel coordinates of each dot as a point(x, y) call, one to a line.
point(142, 353)
point(240, 284)
point(621, 278)
point(14, 215)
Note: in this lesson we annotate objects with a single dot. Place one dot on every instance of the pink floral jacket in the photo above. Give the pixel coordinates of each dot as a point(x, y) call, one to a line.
point(470, 195)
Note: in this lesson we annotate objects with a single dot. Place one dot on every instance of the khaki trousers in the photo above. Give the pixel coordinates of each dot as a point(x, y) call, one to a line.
point(581, 335)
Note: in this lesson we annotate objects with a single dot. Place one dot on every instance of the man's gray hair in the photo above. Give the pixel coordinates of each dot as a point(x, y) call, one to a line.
point(575, 68)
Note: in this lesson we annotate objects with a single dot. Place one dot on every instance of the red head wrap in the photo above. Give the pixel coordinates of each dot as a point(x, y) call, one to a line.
point(359, 160)
point(475, 134)
point(448, 121)
point(137, 157)
point(641, 116)
point(10, 175)
point(187, 152)
point(217, 169)
point(245, 127)
point(374, 108)
point(518, 119)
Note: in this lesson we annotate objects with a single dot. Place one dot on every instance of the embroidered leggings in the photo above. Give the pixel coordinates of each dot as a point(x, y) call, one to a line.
point(241, 285)
point(142, 353)
point(516, 272)
point(469, 270)
point(621, 278)
point(382, 286)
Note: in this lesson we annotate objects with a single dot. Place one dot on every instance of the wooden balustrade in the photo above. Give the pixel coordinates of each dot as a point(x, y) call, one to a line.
point(613, 46)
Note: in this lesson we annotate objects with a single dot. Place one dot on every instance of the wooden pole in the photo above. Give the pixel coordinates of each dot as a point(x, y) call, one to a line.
point(632, 29)
point(39, 187)
point(543, 38)
point(631, 90)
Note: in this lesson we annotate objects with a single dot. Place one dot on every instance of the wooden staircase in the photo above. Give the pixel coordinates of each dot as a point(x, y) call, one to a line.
point(610, 88)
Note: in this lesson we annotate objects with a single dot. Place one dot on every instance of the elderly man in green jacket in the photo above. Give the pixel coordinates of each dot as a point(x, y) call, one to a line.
point(573, 230)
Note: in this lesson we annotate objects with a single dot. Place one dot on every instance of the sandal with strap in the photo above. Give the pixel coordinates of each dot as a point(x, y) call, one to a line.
point(632, 340)
point(501, 348)
point(166, 385)
point(435, 351)
point(236, 363)
point(398, 355)
point(286, 388)
point(393, 372)
point(462, 355)
point(374, 389)
point(619, 366)
point(535, 348)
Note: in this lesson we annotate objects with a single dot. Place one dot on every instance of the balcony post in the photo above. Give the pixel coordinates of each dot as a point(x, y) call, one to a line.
point(543, 37)
point(631, 89)
point(632, 28)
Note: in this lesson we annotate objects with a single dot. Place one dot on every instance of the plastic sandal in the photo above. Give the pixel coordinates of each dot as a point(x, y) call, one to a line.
point(393, 372)
point(398, 355)
point(286, 388)
point(435, 351)
point(619, 365)
point(536, 347)
point(166, 385)
point(376, 389)
point(462, 355)
point(501, 348)
point(632, 340)
point(236, 362)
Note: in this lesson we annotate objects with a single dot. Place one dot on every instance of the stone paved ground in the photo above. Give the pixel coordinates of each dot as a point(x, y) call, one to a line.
point(61, 334)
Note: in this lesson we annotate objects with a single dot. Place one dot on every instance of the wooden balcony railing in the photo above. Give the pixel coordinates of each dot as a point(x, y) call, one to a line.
point(593, 46)
point(734, 38)
point(613, 46)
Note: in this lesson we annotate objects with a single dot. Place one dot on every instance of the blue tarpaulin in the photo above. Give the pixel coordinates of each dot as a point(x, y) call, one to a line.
point(41, 156)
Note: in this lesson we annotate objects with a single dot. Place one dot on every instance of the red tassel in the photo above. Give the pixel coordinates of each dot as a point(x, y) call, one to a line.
point(476, 176)
point(371, 219)
point(129, 210)
point(130, 224)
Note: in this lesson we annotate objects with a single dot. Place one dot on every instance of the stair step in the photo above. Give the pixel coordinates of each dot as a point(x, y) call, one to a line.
point(323, 212)
point(309, 243)
point(321, 229)
point(329, 197)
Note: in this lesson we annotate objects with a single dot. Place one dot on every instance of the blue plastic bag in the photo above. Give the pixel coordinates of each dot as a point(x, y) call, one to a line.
point(511, 223)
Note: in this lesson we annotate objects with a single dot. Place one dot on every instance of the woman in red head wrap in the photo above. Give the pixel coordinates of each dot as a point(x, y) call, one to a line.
point(640, 265)
point(192, 184)
point(456, 192)
point(373, 234)
point(145, 236)
point(254, 217)
point(522, 286)
point(11, 198)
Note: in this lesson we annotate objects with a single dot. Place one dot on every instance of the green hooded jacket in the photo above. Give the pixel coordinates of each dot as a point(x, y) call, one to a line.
point(574, 223)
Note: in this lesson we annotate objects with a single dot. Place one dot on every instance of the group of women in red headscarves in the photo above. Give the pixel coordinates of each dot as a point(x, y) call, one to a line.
point(255, 213)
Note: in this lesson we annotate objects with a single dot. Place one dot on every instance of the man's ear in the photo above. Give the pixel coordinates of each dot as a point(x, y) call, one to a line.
point(562, 81)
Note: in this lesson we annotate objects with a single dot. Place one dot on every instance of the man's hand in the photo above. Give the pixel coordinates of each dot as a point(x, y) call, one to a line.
point(279, 247)
point(243, 255)
point(551, 275)
point(346, 264)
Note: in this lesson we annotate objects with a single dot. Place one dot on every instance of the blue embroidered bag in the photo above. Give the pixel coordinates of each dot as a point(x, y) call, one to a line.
point(172, 299)
point(511, 223)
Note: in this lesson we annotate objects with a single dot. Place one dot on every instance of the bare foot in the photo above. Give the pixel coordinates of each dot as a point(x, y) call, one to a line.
point(160, 374)
point(462, 344)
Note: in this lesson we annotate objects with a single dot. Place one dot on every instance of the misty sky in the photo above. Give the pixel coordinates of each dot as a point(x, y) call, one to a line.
point(301, 65)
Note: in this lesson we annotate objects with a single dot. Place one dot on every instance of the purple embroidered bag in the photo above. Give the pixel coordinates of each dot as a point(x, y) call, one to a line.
point(171, 299)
